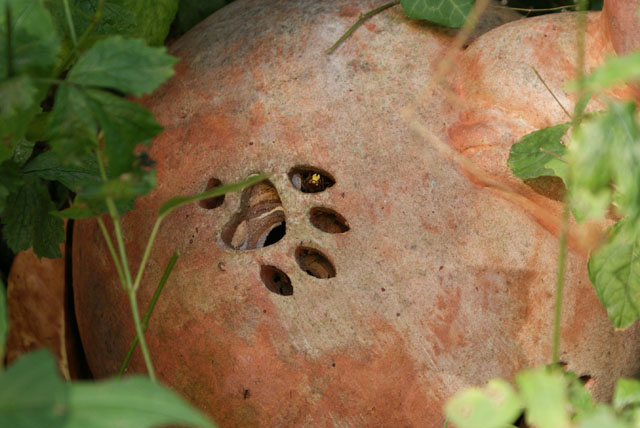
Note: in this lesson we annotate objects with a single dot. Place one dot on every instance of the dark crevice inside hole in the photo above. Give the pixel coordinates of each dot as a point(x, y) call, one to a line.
point(328, 220)
point(586, 380)
point(215, 202)
point(276, 280)
point(315, 263)
point(310, 179)
point(276, 234)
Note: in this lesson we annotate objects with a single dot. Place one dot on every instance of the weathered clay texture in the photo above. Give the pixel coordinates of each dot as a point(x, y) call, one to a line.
point(439, 283)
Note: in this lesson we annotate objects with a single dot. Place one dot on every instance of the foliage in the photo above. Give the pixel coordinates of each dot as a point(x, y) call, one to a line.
point(451, 13)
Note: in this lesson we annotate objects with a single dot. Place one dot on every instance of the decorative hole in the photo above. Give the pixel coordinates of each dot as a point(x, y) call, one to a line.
point(328, 220)
point(587, 381)
point(276, 281)
point(260, 221)
point(309, 179)
point(215, 202)
point(315, 263)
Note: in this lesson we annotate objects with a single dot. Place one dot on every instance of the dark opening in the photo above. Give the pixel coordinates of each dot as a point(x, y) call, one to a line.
point(276, 281)
point(215, 202)
point(315, 263)
point(276, 234)
point(586, 380)
point(328, 220)
point(309, 179)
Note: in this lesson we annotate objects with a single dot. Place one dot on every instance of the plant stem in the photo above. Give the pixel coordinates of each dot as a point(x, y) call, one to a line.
point(7, 12)
point(140, 334)
point(562, 259)
point(72, 28)
point(551, 92)
point(112, 250)
point(358, 23)
point(524, 9)
point(147, 251)
point(147, 315)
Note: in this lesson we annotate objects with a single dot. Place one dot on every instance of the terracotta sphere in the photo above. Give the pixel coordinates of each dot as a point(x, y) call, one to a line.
point(371, 277)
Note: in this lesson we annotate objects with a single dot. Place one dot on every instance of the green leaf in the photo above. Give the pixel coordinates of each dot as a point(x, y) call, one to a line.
point(627, 394)
point(72, 131)
point(32, 394)
point(10, 181)
point(495, 406)
point(34, 43)
point(22, 152)
point(79, 210)
point(27, 222)
point(527, 158)
point(20, 104)
point(49, 167)
point(451, 13)
point(180, 201)
point(602, 417)
point(579, 397)
point(124, 124)
point(134, 402)
point(126, 65)
point(191, 12)
point(616, 70)
point(544, 392)
point(614, 271)
point(4, 319)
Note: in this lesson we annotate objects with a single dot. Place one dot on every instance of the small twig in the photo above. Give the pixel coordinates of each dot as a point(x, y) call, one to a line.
point(560, 158)
point(7, 12)
point(358, 23)
point(147, 315)
point(551, 92)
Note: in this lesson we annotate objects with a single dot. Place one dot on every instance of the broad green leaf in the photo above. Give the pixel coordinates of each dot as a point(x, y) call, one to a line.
point(603, 417)
point(529, 157)
point(34, 43)
point(180, 201)
point(134, 402)
point(72, 131)
point(191, 12)
point(544, 392)
point(10, 181)
point(79, 210)
point(578, 396)
point(614, 271)
point(26, 221)
point(627, 394)
point(32, 394)
point(124, 124)
point(19, 105)
point(451, 13)
point(22, 152)
point(4, 320)
point(495, 406)
point(47, 166)
point(126, 65)
point(146, 19)
point(615, 70)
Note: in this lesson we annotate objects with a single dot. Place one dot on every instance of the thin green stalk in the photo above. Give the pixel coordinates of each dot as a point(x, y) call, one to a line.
point(112, 250)
point(147, 315)
point(7, 13)
point(552, 94)
point(72, 28)
point(358, 23)
point(524, 9)
point(562, 259)
point(140, 334)
point(147, 251)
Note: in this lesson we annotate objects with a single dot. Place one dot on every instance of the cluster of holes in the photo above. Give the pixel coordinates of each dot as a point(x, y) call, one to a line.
point(261, 222)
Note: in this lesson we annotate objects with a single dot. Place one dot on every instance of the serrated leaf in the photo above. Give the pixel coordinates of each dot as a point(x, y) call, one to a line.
point(26, 221)
point(20, 104)
point(34, 43)
point(22, 152)
point(48, 166)
point(125, 124)
point(180, 201)
point(32, 394)
point(4, 319)
point(546, 409)
point(134, 402)
point(529, 157)
point(627, 394)
point(125, 65)
point(146, 19)
point(614, 271)
point(616, 70)
point(72, 130)
point(451, 13)
point(495, 406)
point(10, 181)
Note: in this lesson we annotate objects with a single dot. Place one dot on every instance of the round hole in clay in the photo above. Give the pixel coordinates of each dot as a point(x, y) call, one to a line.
point(587, 381)
point(309, 179)
point(328, 220)
point(215, 202)
point(315, 263)
point(276, 280)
